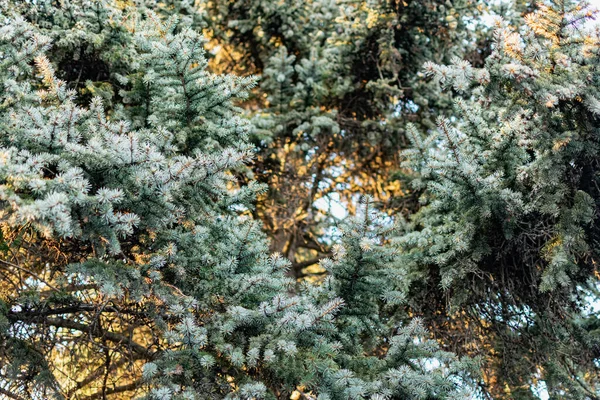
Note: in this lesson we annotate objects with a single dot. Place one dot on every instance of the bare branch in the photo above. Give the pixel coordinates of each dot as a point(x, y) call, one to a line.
point(110, 336)
point(10, 395)
point(36, 276)
point(118, 389)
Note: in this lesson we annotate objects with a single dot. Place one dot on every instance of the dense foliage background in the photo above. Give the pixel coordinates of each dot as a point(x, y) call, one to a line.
point(273, 199)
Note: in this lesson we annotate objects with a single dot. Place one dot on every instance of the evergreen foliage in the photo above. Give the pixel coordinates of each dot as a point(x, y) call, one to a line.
point(510, 191)
point(167, 171)
point(340, 81)
point(130, 266)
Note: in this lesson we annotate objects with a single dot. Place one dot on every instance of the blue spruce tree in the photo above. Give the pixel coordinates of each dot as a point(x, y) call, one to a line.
point(130, 264)
point(509, 186)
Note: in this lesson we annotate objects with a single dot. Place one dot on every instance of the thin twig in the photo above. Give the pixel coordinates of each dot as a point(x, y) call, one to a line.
point(30, 273)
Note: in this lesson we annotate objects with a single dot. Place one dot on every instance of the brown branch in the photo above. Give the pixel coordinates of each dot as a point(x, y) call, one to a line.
point(309, 242)
point(110, 336)
point(307, 263)
point(118, 389)
point(10, 394)
point(76, 308)
point(70, 289)
point(7, 263)
point(95, 374)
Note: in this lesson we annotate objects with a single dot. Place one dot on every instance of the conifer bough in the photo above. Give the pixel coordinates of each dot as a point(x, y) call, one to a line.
point(128, 266)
